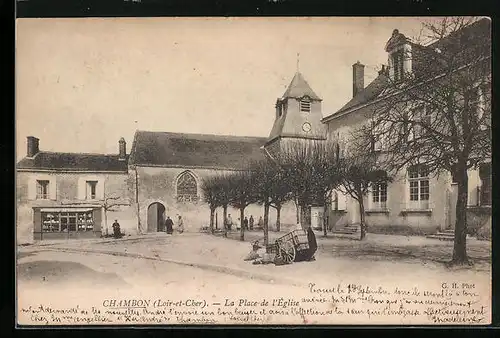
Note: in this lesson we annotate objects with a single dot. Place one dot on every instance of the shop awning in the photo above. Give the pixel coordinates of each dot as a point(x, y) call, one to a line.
point(66, 209)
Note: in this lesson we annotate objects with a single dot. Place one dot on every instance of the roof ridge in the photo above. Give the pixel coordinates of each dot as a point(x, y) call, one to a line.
point(201, 134)
point(75, 153)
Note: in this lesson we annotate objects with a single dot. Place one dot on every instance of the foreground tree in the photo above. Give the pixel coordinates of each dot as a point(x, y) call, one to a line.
point(438, 115)
point(327, 172)
point(211, 189)
point(242, 193)
point(359, 171)
point(311, 171)
point(224, 192)
point(295, 161)
point(271, 190)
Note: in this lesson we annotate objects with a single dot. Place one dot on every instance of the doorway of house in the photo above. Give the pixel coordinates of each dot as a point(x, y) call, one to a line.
point(156, 215)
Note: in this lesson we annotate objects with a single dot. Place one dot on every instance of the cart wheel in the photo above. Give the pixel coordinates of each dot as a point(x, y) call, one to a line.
point(287, 252)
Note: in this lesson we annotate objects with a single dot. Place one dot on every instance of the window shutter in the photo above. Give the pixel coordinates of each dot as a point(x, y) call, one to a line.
point(100, 190)
point(81, 188)
point(53, 188)
point(31, 189)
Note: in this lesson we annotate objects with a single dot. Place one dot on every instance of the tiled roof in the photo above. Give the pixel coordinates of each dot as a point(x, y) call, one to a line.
point(375, 89)
point(371, 92)
point(198, 150)
point(74, 162)
point(299, 87)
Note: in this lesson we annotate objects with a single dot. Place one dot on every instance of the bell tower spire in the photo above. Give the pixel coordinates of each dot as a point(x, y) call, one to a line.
point(298, 114)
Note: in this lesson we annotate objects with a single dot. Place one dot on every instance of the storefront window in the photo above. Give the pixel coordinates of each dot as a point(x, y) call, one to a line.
point(67, 221)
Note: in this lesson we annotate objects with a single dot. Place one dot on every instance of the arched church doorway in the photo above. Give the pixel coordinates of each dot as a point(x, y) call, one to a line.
point(156, 215)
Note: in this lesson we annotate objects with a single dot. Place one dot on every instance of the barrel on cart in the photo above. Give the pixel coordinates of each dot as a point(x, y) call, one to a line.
point(292, 247)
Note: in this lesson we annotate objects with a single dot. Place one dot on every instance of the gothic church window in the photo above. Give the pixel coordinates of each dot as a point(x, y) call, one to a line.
point(187, 188)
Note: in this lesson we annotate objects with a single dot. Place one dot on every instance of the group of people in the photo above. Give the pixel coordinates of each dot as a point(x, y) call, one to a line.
point(169, 225)
point(248, 223)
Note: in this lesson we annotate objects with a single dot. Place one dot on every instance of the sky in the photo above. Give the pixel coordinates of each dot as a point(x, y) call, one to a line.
point(82, 83)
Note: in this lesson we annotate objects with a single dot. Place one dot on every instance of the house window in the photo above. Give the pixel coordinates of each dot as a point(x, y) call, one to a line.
point(475, 101)
point(67, 221)
point(187, 188)
point(379, 196)
point(418, 178)
point(42, 189)
point(377, 138)
point(398, 65)
point(305, 105)
point(419, 123)
point(91, 190)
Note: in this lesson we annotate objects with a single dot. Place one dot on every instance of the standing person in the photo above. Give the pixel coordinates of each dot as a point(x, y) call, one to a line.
point(251, 222)
point(245, 223)
point(229, 222)
point(169, 225)
point(180, 225)
point(116, 229)
point(313, 245)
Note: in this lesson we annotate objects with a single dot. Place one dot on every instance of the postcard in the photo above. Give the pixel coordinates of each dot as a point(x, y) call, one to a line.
point(255, 171)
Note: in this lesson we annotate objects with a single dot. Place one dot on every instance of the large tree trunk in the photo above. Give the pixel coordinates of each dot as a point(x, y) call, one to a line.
point(362, 225)
point(305, 220)
point(224, 222)
point(266, 225)
point(212, 212)
point(459, 246)
point(242, 226)
point(278, 217)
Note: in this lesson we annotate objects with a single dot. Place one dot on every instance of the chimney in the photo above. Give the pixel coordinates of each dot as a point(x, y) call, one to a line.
point(32, 146)
point(358, 78)
point(383, 71)
point(122, 145)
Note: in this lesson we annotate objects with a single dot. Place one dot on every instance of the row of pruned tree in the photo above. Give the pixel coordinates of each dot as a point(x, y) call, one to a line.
point(303, 172)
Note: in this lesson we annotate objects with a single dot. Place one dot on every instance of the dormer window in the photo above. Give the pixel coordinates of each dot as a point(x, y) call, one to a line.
point(305, 105)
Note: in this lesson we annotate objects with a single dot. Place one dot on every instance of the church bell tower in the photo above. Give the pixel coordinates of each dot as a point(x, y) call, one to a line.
point(298, 116)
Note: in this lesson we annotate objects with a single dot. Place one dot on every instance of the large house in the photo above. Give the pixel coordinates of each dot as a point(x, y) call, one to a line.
point(63, 195)
point(416, 201)
point(70, 195)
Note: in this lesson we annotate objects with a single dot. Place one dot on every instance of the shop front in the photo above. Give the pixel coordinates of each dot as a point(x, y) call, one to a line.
point(66, 223)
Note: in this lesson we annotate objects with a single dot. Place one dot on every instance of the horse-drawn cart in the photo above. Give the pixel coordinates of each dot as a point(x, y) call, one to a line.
point(292, 247)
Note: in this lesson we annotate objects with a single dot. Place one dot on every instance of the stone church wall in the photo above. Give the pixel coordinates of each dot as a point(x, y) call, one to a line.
point(159, 185)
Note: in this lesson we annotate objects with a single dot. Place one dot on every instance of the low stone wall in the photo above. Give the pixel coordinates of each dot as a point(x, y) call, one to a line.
point(400, 230)
point(479, 222)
